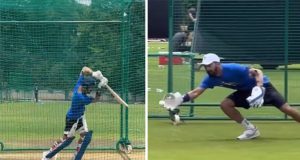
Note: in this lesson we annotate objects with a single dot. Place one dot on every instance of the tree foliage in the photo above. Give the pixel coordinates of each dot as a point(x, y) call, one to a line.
point(53, 39)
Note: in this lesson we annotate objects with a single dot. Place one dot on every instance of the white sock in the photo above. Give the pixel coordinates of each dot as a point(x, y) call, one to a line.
point(246, 124)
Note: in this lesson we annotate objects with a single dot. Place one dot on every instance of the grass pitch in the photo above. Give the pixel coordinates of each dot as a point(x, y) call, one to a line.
point(207, 140)
point(29, 126)
point(89, 155)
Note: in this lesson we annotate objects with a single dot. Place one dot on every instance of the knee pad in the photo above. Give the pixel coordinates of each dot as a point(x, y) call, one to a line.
point(84, 127)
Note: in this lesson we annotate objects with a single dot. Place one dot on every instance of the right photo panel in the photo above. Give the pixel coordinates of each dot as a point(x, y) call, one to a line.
point(222, 79)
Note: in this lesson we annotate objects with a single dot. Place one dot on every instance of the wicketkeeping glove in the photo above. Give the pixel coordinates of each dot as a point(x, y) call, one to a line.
point(256, 99)
point(171, 101)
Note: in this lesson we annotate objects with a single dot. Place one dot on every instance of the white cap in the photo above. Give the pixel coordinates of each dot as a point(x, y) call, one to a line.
point(210, 58)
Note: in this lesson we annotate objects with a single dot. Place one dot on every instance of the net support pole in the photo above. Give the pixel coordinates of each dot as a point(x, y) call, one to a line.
point(1, 146)
point(192, 83)
point(286, 50)
point(124, 140)
point(170, 55)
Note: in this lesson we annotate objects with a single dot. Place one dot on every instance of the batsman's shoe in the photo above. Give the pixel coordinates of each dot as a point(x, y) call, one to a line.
point(45, 154)
point(249, 134)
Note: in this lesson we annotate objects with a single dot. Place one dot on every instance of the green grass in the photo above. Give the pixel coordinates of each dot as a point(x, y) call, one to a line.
point(37, 125)
point(216, 140)
point(208, 140)
point(155, 47)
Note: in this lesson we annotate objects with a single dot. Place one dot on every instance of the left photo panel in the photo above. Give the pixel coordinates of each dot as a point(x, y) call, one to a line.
point(72, 80)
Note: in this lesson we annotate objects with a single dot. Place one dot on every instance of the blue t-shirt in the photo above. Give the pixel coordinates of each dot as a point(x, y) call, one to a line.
point(79, 101)
point(234, 76)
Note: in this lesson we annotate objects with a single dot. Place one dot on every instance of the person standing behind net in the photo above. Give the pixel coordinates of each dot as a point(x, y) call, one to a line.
point(252, 89)
point(75, 119)
point(36, 93)
point(192, 18)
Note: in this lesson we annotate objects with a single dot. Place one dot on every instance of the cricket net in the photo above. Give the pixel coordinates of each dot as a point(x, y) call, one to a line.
point(44, 45)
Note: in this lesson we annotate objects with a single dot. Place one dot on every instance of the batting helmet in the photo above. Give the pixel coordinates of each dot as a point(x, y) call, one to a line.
point(88, 82)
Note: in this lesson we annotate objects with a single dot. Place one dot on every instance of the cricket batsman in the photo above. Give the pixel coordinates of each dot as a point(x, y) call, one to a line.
point(251, 89)
point(75, 119)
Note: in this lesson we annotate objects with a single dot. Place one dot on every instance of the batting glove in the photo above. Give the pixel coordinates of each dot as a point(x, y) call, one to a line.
point(103, 82)
point(98, 75)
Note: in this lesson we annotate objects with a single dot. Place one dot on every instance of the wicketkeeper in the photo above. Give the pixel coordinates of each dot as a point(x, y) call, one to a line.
point(75, 119)
point(252, 89)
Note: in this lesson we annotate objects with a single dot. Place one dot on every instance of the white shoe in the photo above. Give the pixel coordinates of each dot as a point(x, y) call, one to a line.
point(45, 154)
point(249, 134)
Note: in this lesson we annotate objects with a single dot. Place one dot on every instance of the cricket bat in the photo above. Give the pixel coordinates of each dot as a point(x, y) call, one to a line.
point(118, 98)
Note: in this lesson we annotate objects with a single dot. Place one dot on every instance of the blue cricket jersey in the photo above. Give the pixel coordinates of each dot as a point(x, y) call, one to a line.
point(79, 101)
point(234, 76)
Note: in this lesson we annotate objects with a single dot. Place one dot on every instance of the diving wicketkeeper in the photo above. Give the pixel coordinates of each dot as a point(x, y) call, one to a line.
point(251, 89)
